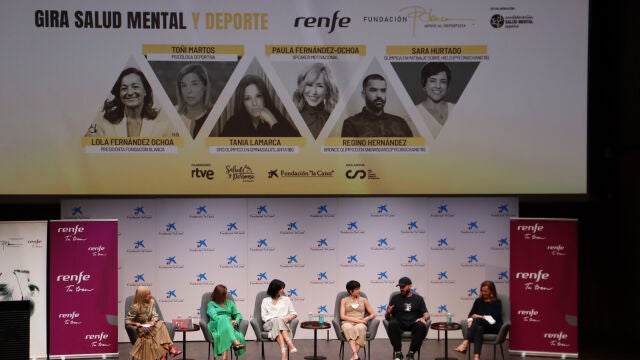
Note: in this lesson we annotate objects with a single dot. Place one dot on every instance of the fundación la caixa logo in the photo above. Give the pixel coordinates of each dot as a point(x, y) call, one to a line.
point(201, 245)
point(262, 211)
point(262, 245)
point(201, 279)
point(472, 227)
point(261, 279)
point(382, 211)
point(232, 228)
point(442, 210)
point(231, 262)
point(171, 296)
point(412, 227)
point(322, 211)
point(78, 213)
point(170, 262)
point(442, 277)
point(502, 210)
point(138, 212)
point(352, 261)
point(201, 212)
point(382, 277)
point(171, 228)
point(138, 280)
point(322, 244)
point(352, 228)
point(501, 244)
point(292, 229)
point(382, 244)
point(442, 244)
point(292, 262)
point(294, 296)
point(472, 260)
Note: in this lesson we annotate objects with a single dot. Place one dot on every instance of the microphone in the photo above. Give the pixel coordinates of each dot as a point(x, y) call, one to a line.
point(15, 272)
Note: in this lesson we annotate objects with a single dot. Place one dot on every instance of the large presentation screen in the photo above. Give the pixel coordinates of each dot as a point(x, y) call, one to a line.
point(288, 97)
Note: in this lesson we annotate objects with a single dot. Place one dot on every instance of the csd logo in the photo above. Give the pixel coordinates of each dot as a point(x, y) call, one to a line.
point(351, 174)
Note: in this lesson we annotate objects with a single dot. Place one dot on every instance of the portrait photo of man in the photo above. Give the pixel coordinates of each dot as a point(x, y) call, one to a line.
point(373, 121)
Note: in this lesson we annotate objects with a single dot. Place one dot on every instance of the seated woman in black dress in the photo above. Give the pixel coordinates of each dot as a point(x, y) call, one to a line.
point(485, 307)
point(254, 113)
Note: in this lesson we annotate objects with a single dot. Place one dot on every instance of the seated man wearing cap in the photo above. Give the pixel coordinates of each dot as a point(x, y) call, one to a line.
point(406, 311)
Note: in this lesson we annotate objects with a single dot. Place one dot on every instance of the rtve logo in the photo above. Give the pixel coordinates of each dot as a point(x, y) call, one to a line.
point(323, 22)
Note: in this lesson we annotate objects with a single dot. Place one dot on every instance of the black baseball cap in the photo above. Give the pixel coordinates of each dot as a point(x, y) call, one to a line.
point(404, 281)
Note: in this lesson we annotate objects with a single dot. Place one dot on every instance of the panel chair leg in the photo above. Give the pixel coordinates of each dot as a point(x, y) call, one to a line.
point(341, 352)
point(262, 343)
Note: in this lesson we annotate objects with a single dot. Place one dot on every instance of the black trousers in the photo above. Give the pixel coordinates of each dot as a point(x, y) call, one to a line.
point(478, 328)
point(418, 333)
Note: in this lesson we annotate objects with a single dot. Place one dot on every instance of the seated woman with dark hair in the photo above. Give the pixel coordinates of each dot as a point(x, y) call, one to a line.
point(486, 307)
point(254, 113)
point(224, 319)
point(354, 323)
point(277, 312)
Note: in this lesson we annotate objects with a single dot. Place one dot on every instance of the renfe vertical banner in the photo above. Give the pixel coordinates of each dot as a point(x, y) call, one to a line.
point(544, 287)
point(83, 283)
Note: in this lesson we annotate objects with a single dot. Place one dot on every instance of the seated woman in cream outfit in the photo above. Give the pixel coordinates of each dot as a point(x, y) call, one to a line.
point(130, 113)
point(354, 323)
point(277, 312)
point(435, 78)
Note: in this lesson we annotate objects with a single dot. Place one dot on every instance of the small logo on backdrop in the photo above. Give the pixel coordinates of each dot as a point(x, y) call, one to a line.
point(382, 277)
point(201, 212)
point(442, 245)
point(472, 261)
point(442, 310)
point(201, 172)
point(201, 245)
point(170, 296)
point(322, 278)
point(352, 261)
point(139, 213)
point(352, 228)
point(431, 19)
point(322, 244)
point(331, 24)
point(529, 315)
point(292, 262)
point(470, 294)
point(138, 280)
point(261, 279)
point(201, 279)
point(35, 243)
point(171, 263)
point(473, 228)
point(232, 228)
point(382, 308)
point(382, 244)
point(442, 210)
point(532, 281)
point(501, 244)
point(557, 250)
point(232, 263)
point(99, 250)
point(501, 211)
point(241, 173)
point(77, 282)
point(78, 213)
point(382, 211)
point(262, 246)
point(171, 229)
point(412, 227)
point(261, 212)
point(502, 277)
point(138, 247)
point(293, 295)
point(301, 173)
point(442, 277)
point(322, 211)
point(322, 309)
point(499, 21)
point(72, 318)
point(412, 261)
point(292, 229)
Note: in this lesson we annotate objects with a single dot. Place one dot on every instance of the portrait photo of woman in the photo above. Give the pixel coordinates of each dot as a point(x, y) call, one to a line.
point(316, 96)
point(254, 112)
point(129, 111)
point(193, 89)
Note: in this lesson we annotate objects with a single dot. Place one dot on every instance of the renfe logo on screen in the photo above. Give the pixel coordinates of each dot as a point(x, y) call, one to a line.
point(323, 22)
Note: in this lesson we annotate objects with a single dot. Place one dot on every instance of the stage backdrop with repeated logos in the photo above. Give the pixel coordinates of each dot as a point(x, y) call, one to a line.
point(83, 287)
point(182, 248)
point(544, 287)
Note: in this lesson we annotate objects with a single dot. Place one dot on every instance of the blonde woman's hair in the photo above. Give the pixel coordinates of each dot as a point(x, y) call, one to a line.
point(141, 295)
